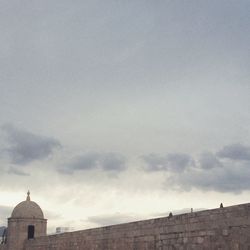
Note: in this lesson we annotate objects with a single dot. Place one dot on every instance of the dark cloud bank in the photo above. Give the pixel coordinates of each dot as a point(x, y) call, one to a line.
point(228, 170)
point(235, 152)
point(24, 147)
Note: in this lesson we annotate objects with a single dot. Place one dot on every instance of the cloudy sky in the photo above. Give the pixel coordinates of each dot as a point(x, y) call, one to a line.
point(114, 111)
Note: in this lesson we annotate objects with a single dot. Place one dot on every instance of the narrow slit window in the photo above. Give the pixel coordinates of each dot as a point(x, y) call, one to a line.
point(31, 232)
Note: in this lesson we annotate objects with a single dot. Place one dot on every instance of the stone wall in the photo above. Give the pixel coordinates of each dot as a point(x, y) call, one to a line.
point(3, 247)
point(18, 231)
point(217, 229)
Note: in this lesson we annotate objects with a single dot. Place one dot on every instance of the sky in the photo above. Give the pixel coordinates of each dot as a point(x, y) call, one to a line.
point(115, 111)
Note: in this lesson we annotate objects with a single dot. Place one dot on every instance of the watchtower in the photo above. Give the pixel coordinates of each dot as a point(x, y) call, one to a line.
point(26, 223)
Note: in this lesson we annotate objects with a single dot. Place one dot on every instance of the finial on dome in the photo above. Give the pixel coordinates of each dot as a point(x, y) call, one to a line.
point(28, 196)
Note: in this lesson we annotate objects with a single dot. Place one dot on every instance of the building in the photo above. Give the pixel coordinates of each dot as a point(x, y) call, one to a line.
point(26, 222)
point(224, 228)
point(60, 230)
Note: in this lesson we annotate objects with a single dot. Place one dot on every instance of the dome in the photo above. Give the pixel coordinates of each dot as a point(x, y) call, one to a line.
point(27, 209)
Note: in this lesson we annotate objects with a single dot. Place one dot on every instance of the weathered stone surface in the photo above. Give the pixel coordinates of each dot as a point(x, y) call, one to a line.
point(218, 229)
point(27, 209)
point(26, 221)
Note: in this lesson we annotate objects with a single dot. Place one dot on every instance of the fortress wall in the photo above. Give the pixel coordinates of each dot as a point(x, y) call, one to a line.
point(217, 229)
point(3, 247)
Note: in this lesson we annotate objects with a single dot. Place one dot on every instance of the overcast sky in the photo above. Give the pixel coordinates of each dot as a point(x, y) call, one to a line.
point(114, 111)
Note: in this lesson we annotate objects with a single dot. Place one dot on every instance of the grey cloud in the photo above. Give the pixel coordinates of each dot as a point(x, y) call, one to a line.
point(209, 160)
point(91, 161)
point(85, 162)
point(211, 172)
point(154, 162)
point(25, 147)
point(216, 174)
point(113, 161)
point(226, 179)
point(171, 162)
point(235, 152)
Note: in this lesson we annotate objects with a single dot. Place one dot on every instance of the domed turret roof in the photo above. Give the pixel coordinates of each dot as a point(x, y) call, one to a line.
point(27, 209)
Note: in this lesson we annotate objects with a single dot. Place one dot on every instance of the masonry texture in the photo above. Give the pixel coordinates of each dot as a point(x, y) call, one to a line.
point(3, 247)
point(218, 229)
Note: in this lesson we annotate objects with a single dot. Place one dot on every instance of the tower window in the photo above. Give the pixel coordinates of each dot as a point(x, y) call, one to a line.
point(31, 232)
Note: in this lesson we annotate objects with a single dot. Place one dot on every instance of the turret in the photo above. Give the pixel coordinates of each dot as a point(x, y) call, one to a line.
point(26, 223)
